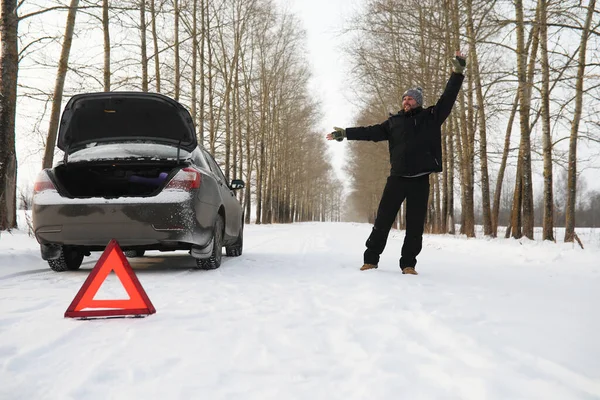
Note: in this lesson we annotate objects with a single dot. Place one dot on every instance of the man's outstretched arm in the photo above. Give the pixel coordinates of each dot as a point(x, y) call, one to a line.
point(375, 133)
point(444, 105)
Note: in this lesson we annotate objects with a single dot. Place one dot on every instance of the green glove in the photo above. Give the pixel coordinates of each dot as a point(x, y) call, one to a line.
point(338, 133)
point(458, 64)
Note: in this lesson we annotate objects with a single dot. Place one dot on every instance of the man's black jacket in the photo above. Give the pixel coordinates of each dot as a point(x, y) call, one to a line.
point(415, 137)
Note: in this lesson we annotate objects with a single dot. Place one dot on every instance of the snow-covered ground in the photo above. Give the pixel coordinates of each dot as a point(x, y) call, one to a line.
point(294, 318)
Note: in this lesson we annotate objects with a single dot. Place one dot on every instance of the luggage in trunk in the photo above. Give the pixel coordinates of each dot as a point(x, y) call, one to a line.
point(84, 180)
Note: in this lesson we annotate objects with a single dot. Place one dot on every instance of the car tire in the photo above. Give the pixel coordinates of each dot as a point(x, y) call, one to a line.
point(235, 250)
point(134, 253)
point(69, 260)
point(214, 261)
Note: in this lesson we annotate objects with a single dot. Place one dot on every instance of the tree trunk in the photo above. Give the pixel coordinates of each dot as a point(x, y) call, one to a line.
point(515, 215)
point(59, 86)
point(461, 170)
point(502, 169)
point(505, 152)
point(155, 44)
point(250, 150)
point(524, 111)
point(143, 45)
point(9, 65)
point(572, 176)
point(474, 71)
point(106, 31)
point(202, 80)
point(522, 210)
point(259, 179)
point(210, 78)
point(176, 48)
point(228, 141)
point(448, 146)
point(548, 219)
point(194, 58)
point(438, 206)
point(237, 126)
point(466, 151)
point(449, 187)
point(269, 161)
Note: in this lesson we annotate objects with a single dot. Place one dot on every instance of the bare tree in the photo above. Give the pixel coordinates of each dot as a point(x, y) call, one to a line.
point(548, 225)
point(144, 63)
point(466, 144)
point(194, 72)
point(524, 111)
point(572, 179)
point(9, 67)
point(502, 168)
point(106, 31)
point(202, 80)
point(153, 15)
point(176, 47)
point(8, 101)
point(475, 71)
point(59, 86)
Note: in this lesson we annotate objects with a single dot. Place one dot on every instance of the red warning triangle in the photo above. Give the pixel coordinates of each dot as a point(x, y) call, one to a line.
point(112, 259)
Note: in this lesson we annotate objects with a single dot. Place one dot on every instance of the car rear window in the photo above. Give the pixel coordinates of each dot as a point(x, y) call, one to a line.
point(126, 150)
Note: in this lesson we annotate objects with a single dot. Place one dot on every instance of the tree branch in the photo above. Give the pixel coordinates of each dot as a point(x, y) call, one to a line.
point(45, 10)
point(30, 44)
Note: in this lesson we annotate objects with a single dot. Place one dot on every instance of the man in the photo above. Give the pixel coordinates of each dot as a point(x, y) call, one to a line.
point(415, 144)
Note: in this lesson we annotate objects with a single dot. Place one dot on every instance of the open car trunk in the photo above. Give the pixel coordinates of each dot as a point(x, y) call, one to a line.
point(104, 117)
point(83, 180)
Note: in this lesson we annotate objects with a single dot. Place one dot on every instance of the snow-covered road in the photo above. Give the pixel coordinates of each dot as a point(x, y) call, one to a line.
point(294, 318)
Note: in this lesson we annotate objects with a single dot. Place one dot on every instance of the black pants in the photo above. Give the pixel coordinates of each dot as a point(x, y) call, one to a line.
point(416, 193)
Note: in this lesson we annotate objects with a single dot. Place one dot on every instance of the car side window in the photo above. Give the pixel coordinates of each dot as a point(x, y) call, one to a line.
point(215, 167)
point(205, 158)
point(199, 160)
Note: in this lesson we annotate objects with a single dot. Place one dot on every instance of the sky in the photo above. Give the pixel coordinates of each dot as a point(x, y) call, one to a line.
point(295, 318)
point(324, 22)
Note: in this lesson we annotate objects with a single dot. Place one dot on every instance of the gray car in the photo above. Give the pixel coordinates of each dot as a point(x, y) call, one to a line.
point(133, 171)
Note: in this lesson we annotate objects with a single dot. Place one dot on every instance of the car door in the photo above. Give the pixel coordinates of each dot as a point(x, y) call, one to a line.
point(233, 210)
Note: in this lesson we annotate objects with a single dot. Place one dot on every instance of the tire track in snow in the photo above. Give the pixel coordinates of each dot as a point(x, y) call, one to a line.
point(69, 341)
point(44, 271)
point(562, 375)
point(261, 243)
point(453, 359)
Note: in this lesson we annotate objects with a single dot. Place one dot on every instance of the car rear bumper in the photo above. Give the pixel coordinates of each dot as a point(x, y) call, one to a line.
point(166, 221)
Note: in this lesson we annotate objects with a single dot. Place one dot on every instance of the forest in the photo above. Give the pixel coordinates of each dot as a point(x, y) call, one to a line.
point(525, 125)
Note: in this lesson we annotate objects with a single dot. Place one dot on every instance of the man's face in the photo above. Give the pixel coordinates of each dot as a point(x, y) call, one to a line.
point(408, 103)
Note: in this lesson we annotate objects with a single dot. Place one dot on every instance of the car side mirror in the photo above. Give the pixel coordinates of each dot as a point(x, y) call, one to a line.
point(237, 184)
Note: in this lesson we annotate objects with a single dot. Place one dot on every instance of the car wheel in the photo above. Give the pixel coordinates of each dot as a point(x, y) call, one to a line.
point(69, 260)
point(235, 250)
point(134, 253)
point(214, 261)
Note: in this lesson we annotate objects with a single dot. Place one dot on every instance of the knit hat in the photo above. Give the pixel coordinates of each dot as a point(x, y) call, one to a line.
point(415, 93)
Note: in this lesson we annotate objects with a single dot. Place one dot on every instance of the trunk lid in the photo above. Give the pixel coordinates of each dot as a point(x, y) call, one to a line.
point(92, 118)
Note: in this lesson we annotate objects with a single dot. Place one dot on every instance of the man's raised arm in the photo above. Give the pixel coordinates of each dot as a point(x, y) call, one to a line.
point(444, 105)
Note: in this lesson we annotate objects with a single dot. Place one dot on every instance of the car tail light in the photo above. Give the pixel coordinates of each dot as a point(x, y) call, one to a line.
point(43, 183)
point(186, 179)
